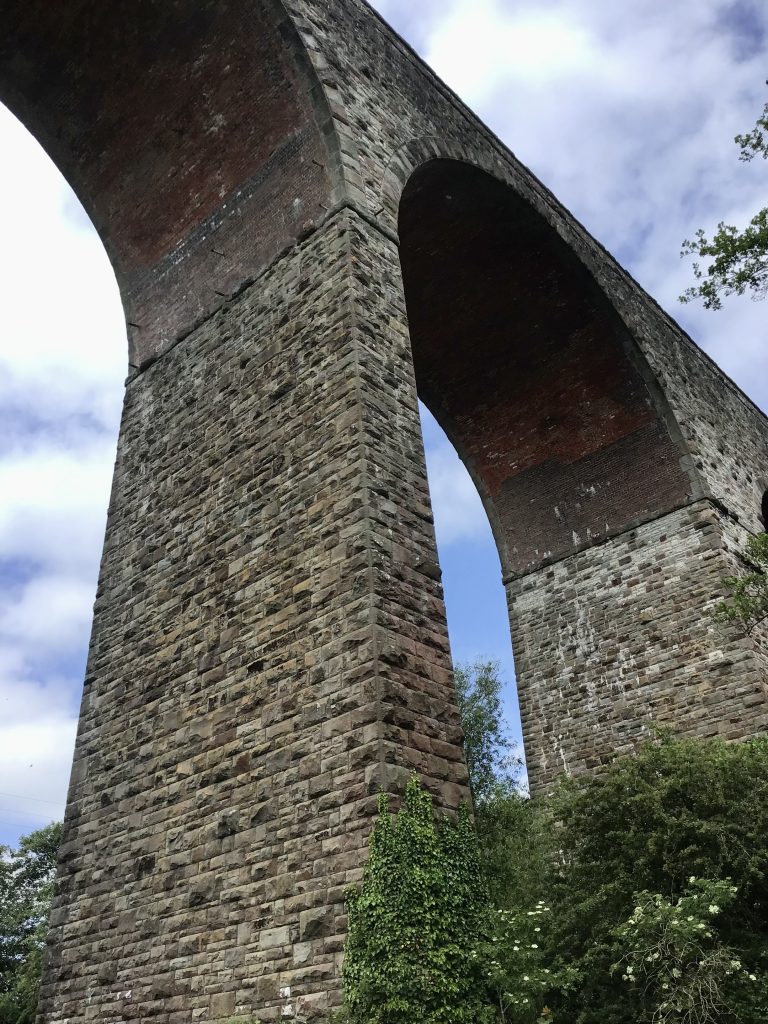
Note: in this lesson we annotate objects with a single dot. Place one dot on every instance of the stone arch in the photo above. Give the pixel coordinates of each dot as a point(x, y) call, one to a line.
point(180, 129)
point(560, 430)
point(413, 154)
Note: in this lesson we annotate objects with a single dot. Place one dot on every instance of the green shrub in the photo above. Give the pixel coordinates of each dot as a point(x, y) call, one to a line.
point(647, 823)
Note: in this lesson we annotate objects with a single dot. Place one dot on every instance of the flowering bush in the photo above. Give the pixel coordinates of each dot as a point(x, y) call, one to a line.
point(517, 965)
point(648, 822)
point(676, 956)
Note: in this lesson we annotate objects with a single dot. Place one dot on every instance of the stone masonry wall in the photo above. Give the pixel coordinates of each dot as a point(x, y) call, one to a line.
point(620, 636)
point(400, 115)
point(394, 116)
point(269, 649)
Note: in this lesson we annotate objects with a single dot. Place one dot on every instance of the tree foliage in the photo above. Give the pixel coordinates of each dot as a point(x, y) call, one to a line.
point(489, 751)
point(514, 836)
point(747, 605)
point(510, 827)
point(26, 890)
point(676, 809)
point(739, 258)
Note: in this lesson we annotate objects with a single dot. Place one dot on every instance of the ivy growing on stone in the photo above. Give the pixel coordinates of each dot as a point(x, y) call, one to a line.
point(416, 925)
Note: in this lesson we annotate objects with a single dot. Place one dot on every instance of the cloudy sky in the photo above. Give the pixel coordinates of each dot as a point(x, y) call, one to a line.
point(626, 110)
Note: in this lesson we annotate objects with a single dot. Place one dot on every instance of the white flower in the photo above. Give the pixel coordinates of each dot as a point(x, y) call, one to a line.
point(714, 909)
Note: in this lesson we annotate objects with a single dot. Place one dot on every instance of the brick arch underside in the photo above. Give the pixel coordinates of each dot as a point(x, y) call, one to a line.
point(195, 134)
point(527, 367)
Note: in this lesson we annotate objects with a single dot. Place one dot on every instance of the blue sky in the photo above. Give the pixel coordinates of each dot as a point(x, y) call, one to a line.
point(625, 110)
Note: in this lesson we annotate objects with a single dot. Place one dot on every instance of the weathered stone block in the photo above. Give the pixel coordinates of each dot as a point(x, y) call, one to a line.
point(316, 923)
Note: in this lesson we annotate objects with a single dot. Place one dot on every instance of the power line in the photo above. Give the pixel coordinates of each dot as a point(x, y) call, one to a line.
point(34, 799)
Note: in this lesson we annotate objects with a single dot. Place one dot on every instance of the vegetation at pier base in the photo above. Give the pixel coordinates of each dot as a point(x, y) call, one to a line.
point(26, 890)
point(639, 893)
point(416, 924)
point(658, 882)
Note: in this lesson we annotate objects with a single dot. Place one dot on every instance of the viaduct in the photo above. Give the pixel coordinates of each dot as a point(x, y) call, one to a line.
point(309, 230)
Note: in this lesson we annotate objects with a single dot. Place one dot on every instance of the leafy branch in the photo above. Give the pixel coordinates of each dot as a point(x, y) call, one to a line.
point(739, 258)
point(747, 604)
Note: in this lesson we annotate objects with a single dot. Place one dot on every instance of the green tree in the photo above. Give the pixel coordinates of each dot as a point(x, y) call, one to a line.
point(27, 877)
point(676, 810)
point(747, 604)
point(510, 827)
point(417, 923)
point(515, 836)
point(739, 258)
point(514, 849)
point(487, 745)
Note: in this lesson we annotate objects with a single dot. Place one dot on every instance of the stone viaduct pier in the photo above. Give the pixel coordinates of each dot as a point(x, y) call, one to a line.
point(309, 230)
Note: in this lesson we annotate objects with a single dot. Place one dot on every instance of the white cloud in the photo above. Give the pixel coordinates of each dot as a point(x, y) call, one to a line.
point(54, 501)
point(37, 733)
point(63, 350)
point(459, 513)
point(479, 48)
point(50, 614)
point(63, 359)
point(458, 510)
point(35, 762)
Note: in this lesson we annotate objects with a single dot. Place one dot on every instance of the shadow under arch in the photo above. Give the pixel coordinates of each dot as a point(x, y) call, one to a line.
point(527, 367)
